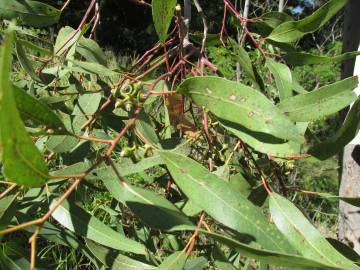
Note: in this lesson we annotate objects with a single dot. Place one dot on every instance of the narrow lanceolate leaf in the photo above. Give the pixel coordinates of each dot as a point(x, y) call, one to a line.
point(303, 58)
point(115, 260)
point(152, 209)
point(241, 105)
point(268, 21)
point(222, 202)
point(283, 78)
point(243, 58)
point(145, 130)
point(22, 162)
point(25, 62)
point(342, 137)
point(305, 238)
point(82, 223)
point(33, 109)
point(355, 201)
point(92, 68)
point(31, 13)
point(162, 13)
point(126, 167)
point(269, 256)
point(264, 143)
point(175, 261)
point(293, 30)
point(320, 102)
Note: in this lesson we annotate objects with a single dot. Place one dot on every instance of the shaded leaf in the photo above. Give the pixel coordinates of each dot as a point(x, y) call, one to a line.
point(303, 58)
point(262, 142)
point(25, 62)
point(162, 13)
point(31, 13)
point(33, 109)
point(241, 105)
point(342, 137)
point(293, 30)
point(82, 223)
point(303, 236)
point(153, 209)
point(23, 163)
point(115, 260)
point(222, 202)
point(270, 20)
point(327, 100)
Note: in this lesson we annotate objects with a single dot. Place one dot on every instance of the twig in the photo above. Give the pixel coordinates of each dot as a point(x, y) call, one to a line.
point(6, 191)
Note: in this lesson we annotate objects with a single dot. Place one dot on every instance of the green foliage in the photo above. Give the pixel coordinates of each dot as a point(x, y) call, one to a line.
point(132, 151)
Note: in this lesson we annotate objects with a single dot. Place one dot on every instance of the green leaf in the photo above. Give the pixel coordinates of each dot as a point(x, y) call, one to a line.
point(82, 223)
point(23, 163)
point(25, 62)
point(34, 47)
point(303, 58)
point(355, 201)
point(87, 104)
point(153, 209)
point(268, 256)
point(342, 137)
point(320, 102)
point(92, 68)
point(268, 21)
point(196, 264)
point(145, 130)
point(65, 39)
point(240, 104)
point(293, 30)
point(115, 260)
point(91, 51)
point(262, 142)
point(243, 58)
point(175, 261)
point(61, 143)
point(10, 264)
point(222, 202)
point(31, 13)
point(283, 78)
point(126, 167)
point(33, 109)
point(303, 236)
point(162, 13)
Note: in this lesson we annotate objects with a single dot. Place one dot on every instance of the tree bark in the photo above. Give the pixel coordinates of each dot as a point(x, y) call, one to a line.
point(281, 5)
point(349, 216)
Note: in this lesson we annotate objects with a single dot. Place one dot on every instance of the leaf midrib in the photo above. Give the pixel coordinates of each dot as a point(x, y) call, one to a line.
point(229, 205)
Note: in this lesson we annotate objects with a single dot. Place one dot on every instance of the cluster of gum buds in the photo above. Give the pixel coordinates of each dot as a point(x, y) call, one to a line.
point(129, 96)
point(135, 152)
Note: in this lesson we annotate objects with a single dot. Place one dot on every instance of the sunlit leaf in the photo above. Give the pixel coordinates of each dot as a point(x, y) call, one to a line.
point(293, 30)
point(162, 13)
point(82, 223)
point(31, 13)
point(303, 236)
point(327, 100)
point(23, 163)
point(283, 78)
point(222, 202)
point(241, 105)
